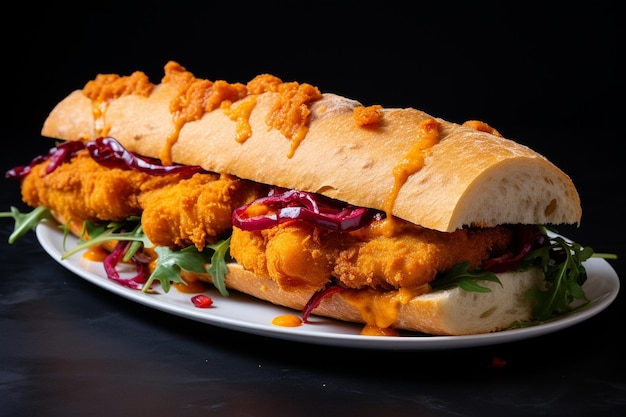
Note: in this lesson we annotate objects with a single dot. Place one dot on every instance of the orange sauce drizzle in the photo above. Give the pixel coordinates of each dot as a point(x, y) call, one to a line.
point(108, 87)
point(290, 113)
point(379, 310)
point(369, 330)
point(366, 116)
point(195, 97)
point(95, 253)
point(193, 282)
point(241, 116)
point(412, 162)
point(190, 286)
point(287, 320)
point(481, 126)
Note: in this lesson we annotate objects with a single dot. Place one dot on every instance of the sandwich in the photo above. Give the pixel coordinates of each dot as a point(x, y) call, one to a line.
point(387, 217)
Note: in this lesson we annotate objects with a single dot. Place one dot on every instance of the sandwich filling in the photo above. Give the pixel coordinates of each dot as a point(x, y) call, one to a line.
point(196, 208)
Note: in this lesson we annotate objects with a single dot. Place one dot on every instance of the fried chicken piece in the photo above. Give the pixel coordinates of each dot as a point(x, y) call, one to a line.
point(300, 255)
point(296, 255)
point(84, 190)
point(175, 211)
point(195, 210)
point(414, 255)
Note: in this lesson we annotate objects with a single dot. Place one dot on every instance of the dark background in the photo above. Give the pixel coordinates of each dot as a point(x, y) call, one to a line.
point(514, 65)
point(547, 75)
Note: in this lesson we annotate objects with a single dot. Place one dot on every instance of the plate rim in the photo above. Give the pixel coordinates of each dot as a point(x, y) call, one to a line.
point(50, 238)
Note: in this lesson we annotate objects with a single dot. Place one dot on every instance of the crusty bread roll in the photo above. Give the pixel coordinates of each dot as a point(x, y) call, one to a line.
point(469, 177)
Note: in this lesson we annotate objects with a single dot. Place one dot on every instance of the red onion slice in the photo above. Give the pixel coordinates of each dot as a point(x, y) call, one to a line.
point(107, 152)
point(110, 153)
point(289, 205)
point(317, 298)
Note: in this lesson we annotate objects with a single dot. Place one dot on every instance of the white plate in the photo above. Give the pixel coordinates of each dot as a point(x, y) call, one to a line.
point(246, 314)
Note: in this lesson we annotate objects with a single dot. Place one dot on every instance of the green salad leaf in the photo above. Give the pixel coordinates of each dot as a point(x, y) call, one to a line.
point(218, 268)
point(171, 262)
point(467, 280)
point(563, 277)
point(105, 232)
point(25, 222)
point(562, 263)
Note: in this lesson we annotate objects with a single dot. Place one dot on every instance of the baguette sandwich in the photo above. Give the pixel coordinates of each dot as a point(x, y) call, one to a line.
point(391, 218)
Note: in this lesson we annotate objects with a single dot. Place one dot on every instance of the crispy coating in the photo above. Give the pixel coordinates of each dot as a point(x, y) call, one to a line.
point(296, 254)
point(84, 190)
point(414, 255)
point(176, 212)
point(195, 210)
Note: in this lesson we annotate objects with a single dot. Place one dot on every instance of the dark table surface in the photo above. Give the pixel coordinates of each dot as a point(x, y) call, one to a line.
point(70, 348)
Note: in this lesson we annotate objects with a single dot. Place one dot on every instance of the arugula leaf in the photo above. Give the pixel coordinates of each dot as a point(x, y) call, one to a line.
point(561, 261)
point(25, 222)
point(170, 263)
point(99, 234)
point(218, 268)
point(467, 280)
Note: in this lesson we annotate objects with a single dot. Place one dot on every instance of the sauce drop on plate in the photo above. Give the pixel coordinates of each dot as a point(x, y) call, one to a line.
point(287, 320)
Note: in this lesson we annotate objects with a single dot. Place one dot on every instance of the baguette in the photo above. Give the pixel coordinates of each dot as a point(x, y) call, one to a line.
point(463, 176)
point(469, 177)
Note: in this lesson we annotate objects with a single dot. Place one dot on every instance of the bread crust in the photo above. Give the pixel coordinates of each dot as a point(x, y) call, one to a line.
point(469, 177)
point(443, 312)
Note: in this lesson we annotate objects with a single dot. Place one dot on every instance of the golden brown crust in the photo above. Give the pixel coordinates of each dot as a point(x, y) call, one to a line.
point(469, 176)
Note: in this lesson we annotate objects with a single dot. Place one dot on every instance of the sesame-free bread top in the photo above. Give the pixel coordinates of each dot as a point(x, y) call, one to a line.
point(466, 176)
